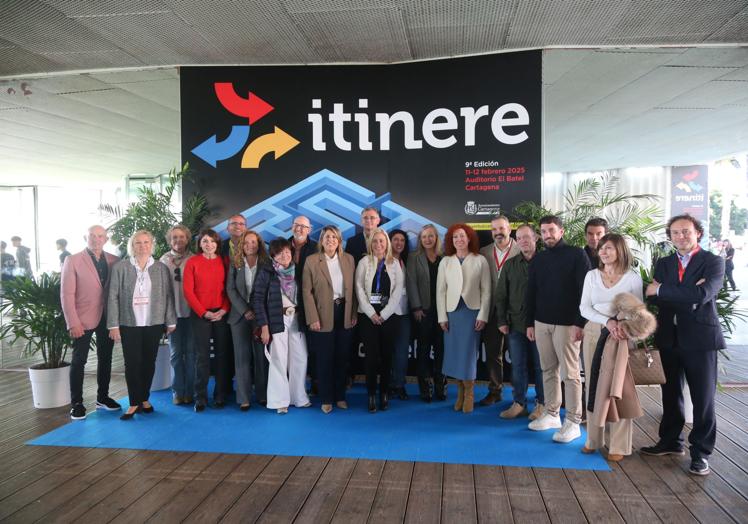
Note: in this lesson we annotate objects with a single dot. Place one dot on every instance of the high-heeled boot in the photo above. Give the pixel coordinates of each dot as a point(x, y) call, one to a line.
point(460, 395)
point(469, 397)
point(440, 387)
point(383, 401)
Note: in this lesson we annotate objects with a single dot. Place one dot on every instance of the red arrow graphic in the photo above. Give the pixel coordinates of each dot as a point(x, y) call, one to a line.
point(252, 107)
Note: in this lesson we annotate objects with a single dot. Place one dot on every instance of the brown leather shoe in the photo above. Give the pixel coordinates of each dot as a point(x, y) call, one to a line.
point(514, 411)
point(492, 398)
point(326, 408)
point(614, 457)
point(588, 451)
point(342, 404)
point(537, 412)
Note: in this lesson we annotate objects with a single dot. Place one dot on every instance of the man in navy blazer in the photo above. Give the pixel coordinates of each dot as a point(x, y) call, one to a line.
point(685, 288)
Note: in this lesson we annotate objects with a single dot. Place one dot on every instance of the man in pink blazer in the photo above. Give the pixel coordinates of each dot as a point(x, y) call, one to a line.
point(85, 284)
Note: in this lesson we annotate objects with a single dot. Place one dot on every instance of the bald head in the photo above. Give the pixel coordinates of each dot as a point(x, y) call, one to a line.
point(301, 228)
point(96, 238)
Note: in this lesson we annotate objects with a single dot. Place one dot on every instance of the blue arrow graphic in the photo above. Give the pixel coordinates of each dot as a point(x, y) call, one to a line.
point(212, 151)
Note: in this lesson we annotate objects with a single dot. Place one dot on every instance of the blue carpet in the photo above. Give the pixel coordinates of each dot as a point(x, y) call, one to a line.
point(410, 431)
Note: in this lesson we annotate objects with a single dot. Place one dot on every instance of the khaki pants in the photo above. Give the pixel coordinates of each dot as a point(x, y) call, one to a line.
point(619, 433)
point(559, 359)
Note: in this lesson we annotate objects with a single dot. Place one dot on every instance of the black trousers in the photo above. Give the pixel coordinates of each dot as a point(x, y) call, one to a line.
point(331, 357)
point(699, 368)
point(203, 330)
point(140, 348)
point(729, 268)
point(379, 344)
point(494, 343)
point(81, 347)
point(429, 334)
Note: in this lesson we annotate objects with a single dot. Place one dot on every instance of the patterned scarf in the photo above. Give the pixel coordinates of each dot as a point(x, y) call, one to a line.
point(287, 279)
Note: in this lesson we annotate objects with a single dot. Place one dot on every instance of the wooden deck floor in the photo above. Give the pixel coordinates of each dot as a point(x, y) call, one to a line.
point(61, 484)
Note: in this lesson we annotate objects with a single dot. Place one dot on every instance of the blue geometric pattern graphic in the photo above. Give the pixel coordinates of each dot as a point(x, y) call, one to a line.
point(328, 198)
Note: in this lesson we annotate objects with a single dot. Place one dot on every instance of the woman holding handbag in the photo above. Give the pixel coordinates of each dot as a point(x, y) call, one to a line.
point(614, 276)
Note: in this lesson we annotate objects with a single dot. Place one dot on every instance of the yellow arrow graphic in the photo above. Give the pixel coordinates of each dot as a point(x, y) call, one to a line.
point(278, 141)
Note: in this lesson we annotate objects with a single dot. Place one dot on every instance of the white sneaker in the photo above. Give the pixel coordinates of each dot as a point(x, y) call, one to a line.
point(568, 432)
point(545, 421)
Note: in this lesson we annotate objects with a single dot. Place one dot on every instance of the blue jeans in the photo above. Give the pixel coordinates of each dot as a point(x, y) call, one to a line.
point(520, 351)
point(182, 348)
point(400, 355)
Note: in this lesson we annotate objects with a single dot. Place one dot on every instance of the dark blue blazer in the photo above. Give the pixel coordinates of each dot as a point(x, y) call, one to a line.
point(693, 307)
point(356, 247)
point(268, 302)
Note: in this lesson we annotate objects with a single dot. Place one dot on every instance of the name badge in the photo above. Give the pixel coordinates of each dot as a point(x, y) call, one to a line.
point(375, 299)
point(141, 301)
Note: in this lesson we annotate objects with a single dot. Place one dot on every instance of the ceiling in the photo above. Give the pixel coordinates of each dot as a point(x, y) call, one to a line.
point(606, 105)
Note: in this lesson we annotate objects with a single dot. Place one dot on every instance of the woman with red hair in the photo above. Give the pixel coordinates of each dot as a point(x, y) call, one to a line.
point(463, 300)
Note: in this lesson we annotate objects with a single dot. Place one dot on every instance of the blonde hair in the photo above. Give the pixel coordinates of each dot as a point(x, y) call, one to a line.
point(131, 242)
point(437, 248)
point(388, 258)
point(179, 227)
point(335, 231)
point(262, 254)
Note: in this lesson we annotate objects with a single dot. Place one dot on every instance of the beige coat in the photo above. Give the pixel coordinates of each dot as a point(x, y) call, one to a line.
point(470, 280)
point(317, 291)
point(615, 396)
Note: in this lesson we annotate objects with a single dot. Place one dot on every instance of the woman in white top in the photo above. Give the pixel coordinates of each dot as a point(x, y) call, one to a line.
point(600, 288)
point(140, 309)
point(248, 351)
point(463, 301)
point(331, 314)
point(379, 287)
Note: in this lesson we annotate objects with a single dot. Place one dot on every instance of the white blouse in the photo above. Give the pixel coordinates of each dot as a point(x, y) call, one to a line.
point(336, 275)
point(141, 297)
point(597, 300)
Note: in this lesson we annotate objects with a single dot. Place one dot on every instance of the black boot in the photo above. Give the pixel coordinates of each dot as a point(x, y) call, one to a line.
point(402, 394)
point(383, 401)
point(372, 404)
point(440, 387)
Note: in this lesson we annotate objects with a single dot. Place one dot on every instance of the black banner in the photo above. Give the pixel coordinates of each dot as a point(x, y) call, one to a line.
point(442, 141)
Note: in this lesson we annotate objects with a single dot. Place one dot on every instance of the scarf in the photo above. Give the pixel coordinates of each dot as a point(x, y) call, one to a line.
point(287, 279)
point(176, 258)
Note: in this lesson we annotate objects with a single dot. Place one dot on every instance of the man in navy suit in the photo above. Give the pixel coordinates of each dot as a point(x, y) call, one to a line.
point(685, 288)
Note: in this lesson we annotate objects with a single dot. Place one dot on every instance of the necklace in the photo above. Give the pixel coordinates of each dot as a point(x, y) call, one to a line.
point(610, 280)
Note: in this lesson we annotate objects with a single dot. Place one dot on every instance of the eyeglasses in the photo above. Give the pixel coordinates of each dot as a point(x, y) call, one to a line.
point(300, 226)
point(177, 274)
point(243, 224)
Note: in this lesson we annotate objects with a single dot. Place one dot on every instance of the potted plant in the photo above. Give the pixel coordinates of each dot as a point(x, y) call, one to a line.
point(35, 316)
point(154, 211)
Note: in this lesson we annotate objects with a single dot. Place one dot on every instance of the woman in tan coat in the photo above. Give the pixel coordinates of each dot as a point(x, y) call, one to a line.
point(331, 312)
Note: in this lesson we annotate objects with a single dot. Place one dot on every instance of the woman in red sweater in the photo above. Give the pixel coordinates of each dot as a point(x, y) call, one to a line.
point(205, 291)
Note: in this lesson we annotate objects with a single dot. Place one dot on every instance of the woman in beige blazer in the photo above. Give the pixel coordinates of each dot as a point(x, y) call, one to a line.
point(463, 302)
point(330, 305)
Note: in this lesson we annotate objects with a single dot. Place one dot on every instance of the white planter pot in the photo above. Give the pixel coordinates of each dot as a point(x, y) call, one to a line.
point(50, 387)
point(163, 375)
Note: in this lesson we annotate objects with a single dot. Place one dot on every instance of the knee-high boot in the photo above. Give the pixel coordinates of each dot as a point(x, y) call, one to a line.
point(460, 395)
point(469, 398)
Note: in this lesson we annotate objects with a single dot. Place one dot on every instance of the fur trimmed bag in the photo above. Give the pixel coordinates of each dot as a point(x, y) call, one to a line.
point(638, 323)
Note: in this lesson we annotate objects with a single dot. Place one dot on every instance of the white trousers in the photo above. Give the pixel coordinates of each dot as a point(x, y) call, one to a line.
point(287, 373)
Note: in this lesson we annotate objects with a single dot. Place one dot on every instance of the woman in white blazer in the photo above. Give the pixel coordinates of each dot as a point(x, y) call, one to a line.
point(379, 287)
point(463, 300)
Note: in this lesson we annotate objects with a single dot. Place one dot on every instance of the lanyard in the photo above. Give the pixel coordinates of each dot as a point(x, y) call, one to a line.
point(681, 267)
point(499, 265)
point(379, 274)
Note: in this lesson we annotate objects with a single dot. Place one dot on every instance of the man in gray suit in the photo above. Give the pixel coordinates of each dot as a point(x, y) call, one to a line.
point(497, 253)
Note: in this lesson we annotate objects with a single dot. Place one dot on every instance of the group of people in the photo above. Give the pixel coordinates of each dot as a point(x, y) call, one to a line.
point(18, 265)
point(270, 315)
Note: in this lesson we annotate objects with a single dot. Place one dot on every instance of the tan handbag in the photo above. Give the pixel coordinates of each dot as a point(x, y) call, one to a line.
point(646, 366)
